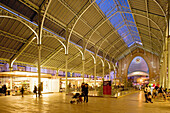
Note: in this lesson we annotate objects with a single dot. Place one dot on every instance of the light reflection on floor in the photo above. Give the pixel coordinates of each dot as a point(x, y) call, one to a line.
point(59, 103)
point(140, 98)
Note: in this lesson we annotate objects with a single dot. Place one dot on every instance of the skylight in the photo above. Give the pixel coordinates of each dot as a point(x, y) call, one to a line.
point(122, 21)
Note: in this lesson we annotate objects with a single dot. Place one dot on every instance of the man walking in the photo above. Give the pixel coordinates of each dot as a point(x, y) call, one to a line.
point(86, 93)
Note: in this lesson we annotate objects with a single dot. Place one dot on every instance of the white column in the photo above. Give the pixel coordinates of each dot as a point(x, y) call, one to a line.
point(168, 32)
point(95, 75)
point(168, 84)
point(11, 82)
point(115, 76)
point(109, 74)
point(83, 63)
point(66, 64)
point(39, 70)
point(11, 68)
point(39, 50)
point(165, 70)
point(160, 76)
point(103, 73)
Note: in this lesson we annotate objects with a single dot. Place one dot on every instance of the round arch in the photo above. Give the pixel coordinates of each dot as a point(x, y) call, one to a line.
point(145, 58)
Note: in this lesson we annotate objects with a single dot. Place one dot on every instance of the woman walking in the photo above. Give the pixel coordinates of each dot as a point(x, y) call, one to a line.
point(22, 91)
point(35, 90)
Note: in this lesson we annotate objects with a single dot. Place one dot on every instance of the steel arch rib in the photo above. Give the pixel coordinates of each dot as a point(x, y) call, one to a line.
point(151, 21)
point(77, 21)
point(101, 61)
point(108, 64)
point(79, 49)
point(57, 39)
point(20, 20)
point(133, 47)
point(93, 57)
point(42, 22)
point(64, 44)
point(121, 39)
point(162, 11)
point(98, 27)
point(54, 52)
point(127, 48)
point(119, 28)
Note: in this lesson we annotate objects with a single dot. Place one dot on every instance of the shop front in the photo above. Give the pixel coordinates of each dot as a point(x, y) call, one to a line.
point(74, 83)
point(14, 81)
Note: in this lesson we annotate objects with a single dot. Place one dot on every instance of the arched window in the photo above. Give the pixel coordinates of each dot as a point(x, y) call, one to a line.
point(138, 70)
point(138, 64)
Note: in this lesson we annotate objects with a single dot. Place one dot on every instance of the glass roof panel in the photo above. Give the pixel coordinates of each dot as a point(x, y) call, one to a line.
point(133, 28)
point(128, 39)
point(121, 24)
point(116, 19)
point(137, 37)
point(107, 6)
point(121, 19)
point(130, 23)
point(128, 17)
point(134, 33)
point(122, 3)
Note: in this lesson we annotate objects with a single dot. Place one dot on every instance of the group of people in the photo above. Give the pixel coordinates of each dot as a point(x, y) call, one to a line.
point(84, 89)
point(157, 92)
point(78, 97)
point(34, 91)
point(4, 90)
point(161, 92)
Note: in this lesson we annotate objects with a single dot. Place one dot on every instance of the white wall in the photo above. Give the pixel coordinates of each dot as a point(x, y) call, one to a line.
point(49, 85)
point(55, 85)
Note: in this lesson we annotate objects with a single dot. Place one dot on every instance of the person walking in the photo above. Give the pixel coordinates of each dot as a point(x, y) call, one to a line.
point(160, 92)
point(86, 93)
point(22, 91)
point(83, 90)
point(4, 89)
point(165, 93)
point(146, 93)
point(148, 96)
point(154, 95)
point(35, 90)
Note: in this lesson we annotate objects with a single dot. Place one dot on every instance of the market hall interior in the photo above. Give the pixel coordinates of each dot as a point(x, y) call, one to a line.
point(117, 47)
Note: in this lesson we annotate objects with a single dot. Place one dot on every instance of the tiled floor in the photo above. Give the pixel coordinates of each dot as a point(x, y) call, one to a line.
point(59, 103)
